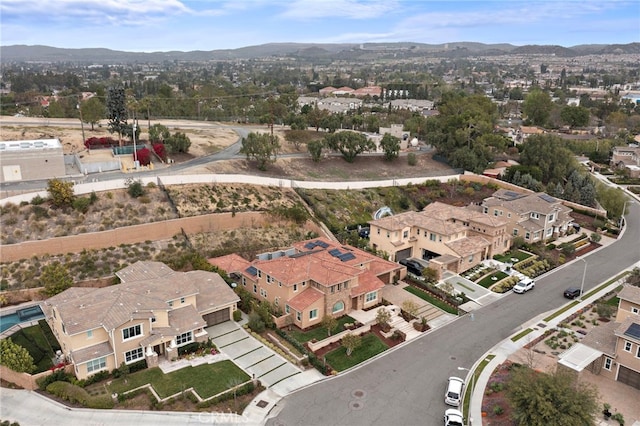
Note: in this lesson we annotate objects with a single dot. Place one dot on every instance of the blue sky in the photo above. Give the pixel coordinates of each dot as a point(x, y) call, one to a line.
point(165, 25)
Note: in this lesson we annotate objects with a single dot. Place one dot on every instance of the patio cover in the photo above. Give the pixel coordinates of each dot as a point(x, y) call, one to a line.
point(579, 356)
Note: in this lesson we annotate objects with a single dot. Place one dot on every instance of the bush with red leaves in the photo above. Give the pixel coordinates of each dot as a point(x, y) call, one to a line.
point(144, 156)
point(160, 150)
point(98, 143)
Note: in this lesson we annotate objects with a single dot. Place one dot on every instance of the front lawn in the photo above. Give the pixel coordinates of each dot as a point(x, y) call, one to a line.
point(319, 332)
point(371, 346)
point(506, 257)
point(431, 299)
point(207, 380)
point(488, 281)
point(34, 340)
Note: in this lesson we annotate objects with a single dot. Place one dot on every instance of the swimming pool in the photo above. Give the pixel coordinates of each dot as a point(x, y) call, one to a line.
point(21, 315)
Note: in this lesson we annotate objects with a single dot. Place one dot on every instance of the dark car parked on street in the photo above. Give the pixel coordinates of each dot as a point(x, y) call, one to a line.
point(572, 292)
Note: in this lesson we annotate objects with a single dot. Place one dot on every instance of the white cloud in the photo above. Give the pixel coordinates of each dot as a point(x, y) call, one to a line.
point(350, 9)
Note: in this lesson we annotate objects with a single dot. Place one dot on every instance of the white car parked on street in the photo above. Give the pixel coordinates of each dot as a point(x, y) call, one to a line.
point(524, 285)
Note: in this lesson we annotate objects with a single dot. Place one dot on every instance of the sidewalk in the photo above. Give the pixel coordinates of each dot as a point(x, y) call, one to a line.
point(503, 350)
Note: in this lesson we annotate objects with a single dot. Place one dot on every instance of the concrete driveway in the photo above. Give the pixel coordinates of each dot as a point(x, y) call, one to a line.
point(250, 354)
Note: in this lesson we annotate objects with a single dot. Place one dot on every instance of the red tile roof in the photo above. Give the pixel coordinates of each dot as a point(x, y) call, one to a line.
point(305, 299)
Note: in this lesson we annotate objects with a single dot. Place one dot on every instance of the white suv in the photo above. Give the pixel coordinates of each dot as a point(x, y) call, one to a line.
point(524, 285)
point(453, 395)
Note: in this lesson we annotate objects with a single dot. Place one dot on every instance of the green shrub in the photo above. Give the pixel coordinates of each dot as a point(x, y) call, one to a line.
point(82, 204)
point(72, 393)
point(57, 376)
point(237, 315)
point(188, 348)
point(412, 160)
point(255, 322)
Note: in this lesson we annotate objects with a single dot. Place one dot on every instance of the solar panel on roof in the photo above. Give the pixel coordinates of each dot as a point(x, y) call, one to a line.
point(346, 256)
point(322, 244)
point(310, 245)
point(548, 198)
point(633, 331)
point(511, 194)
point(252, 270)
point(335, 252)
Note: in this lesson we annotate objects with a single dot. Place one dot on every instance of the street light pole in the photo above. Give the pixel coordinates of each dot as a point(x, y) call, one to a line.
point(135, 152)
point(584, 275)
point(624, 209)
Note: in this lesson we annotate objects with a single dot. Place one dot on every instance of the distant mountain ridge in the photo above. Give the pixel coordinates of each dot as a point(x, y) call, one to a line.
point(364, 51)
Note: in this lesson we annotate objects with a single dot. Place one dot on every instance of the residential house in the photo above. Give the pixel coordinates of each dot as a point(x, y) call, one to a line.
point(448, 237)
point(151, 313)
point(312, 279)
point(368, 91)
point(626, 157)
point(612, 349)
point(534, 217)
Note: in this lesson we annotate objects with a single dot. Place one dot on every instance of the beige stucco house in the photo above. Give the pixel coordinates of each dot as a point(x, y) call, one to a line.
point(154, 311)
point(626, 157)
point(534, 217)
point(449, 237)
point(312, 279)
point(612, 349)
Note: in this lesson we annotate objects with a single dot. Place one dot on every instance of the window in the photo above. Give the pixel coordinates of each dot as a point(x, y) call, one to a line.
point(299, 316)
point(132, 355)
point(339, 306)
point(536, 235)
point(515, 232)
point(638, 352)
point(131, 332)
point(387, 234)
point(370, 297)
point(635, 310)
point(287, 309)
point(405, 234)
point(432, 236)
point(170, 303)
point(509, 215)
point(470, 258)
point(485, 210)
point(182, 300)
point(378, 231)
point(184, 338)
point(549, 232)
point(89, 334)
point(607, 364)
point(527, 235)
point(495, 212)
point(96, 364)
point(275, 302)
point(304, 283)
point(551, 217)
point(244, 281)
point(153, 319)
point(259, 274)
point(417, 231)
point(268, 279)
point(627, 346)
point(255, 288)
point(313, 314)
point(279, 283)
point(295, 287)
point(534, 215)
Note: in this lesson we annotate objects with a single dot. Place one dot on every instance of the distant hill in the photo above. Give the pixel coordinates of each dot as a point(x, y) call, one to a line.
point(309, 51)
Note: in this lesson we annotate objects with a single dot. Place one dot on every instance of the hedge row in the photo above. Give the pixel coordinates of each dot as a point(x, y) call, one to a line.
point(77, 395)
point(313, 359)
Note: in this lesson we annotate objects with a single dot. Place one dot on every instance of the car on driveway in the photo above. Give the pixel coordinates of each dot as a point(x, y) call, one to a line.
point(453, 417)
point(413, 266)
point(453, 395)
point(524, 285)
point(572, 292)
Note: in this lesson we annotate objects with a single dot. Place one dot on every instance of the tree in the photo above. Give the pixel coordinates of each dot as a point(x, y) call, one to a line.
point(117, 111)
point(262, 147)
point(178, 142)
point(159, 133)
point(351, 342)
point(92, 111)
point(391, 146)
point(55, 278)
point(548, 154)
point(575, 116)
point(537, 107)
point(383, 316)
point(15, 357)
point(61, 192)
point(349, 144)
point(315, 149)
point(330, 323)
point(410, 307)
point(558, 398)
point(134, 188)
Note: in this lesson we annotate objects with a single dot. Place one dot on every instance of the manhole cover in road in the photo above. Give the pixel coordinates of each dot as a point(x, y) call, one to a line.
point(356, 405)
point(262, 403)
point(452, 358)
point(541, 325)
point(358, 393)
